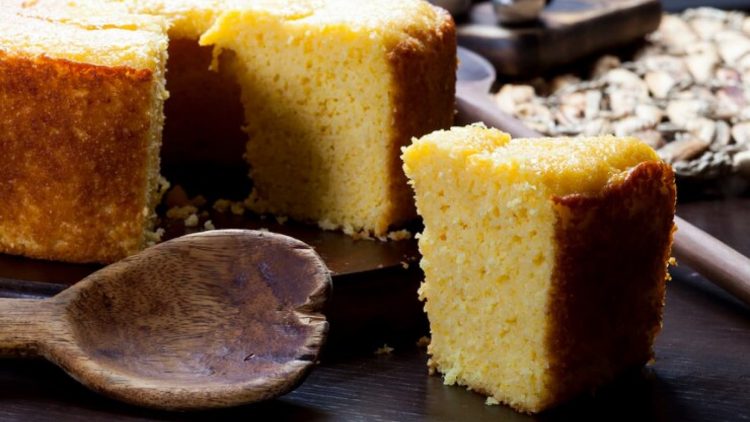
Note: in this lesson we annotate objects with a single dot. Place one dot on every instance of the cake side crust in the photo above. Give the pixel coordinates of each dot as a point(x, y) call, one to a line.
point(76, 142)
point(421, 104)
point(609, 280)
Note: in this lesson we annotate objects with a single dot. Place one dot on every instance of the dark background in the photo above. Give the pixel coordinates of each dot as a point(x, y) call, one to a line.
point(676, 5)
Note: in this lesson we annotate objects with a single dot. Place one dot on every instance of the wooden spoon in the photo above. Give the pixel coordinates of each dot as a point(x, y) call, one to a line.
point(704, 253)
point(214, 319)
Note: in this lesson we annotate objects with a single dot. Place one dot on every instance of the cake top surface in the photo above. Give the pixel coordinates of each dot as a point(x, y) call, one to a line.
point(192, 18)
point(386, 19)
point(131, 33)
point(380, 15)
point(32, 37)
point(564, 165)
point(87, 14)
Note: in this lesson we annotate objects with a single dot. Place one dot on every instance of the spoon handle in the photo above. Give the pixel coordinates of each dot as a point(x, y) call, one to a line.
point(713, 259)
point(707, 255)
point(22, 324)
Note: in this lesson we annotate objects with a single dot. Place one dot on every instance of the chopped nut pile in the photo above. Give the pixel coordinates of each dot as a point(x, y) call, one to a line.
point(686, 93)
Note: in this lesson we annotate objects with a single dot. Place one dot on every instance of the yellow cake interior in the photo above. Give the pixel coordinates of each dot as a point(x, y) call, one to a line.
point(326, 91)
point(319, 97)
point(489, 249)
point(306, 94)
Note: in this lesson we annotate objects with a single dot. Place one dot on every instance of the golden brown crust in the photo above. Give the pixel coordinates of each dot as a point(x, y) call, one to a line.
point(424, 69)
point(609, 278)
point(74, 140)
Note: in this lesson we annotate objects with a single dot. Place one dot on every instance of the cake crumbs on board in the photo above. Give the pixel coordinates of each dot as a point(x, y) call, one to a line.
point(402, 234)
point(178, 197)
point(491, 401)
point(385, 350)
point(154, 237)
point(237, 208)
point(191, 220)
point(423, 341)
point(671, 262)
point(181, 212)
point(224, 205)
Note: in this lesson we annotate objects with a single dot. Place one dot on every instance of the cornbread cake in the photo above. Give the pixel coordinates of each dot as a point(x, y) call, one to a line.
point(545, 259)
point(332, 90)
point(327, 91)
point(80, 129)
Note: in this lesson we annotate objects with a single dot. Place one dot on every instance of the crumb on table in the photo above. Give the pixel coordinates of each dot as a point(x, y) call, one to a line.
point(385, 350)
point(423, 341)
point(191, 220)
point(181, 212)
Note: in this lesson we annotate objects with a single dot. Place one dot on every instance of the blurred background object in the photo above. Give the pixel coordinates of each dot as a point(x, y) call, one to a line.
point(565, 32)
point(456, 7)
point(674, 76)
point(679, 5)
point(516, 12)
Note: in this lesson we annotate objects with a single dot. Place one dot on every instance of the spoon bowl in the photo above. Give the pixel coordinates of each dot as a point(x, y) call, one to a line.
point(214, 319)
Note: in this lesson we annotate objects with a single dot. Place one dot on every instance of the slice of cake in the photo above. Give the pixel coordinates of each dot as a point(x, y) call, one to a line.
point(80, 130)
point(545, 259)
point(332, 90)
point(327, 90)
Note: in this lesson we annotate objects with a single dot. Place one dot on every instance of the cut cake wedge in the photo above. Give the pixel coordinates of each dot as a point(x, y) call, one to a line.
point(545, 259)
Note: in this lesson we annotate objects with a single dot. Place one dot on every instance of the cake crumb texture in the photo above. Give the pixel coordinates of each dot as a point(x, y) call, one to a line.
point(552, 253)
point(329, 90)
point(331, 94)
point(78, 176)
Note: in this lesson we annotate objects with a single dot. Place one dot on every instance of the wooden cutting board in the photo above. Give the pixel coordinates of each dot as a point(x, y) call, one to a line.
point(567, 30)
point(343, 255)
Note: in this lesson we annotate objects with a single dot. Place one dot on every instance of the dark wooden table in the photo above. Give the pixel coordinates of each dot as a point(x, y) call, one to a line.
point(702, 369)
point(701, 372)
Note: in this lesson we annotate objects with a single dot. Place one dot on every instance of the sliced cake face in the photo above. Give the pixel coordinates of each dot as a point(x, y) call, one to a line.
point(331, 90)
point(326, 92)
point(537, 254)
point(80, 130)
